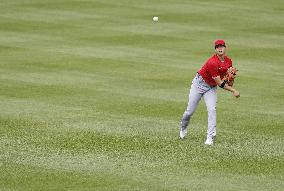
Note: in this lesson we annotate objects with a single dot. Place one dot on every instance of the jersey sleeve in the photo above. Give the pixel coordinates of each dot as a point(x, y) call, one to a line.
point(213, 69)
point(230, 62)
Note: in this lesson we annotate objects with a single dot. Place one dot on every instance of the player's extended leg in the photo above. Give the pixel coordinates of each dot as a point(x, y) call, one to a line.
point(194, 98)
point(210, 99)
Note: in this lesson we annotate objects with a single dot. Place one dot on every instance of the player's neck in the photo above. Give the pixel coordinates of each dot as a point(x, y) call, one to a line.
point(221, 57)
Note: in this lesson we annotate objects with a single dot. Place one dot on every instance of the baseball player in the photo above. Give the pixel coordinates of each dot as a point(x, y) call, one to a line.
point(217, 71)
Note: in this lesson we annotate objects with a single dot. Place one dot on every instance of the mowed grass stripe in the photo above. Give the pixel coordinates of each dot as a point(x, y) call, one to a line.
point(91, 164)
point(40, 134)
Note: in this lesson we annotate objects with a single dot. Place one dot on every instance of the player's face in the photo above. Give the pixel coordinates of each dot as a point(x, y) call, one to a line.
point(220, 50)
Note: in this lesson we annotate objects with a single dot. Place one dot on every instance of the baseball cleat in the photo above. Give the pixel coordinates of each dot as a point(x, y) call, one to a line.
point(209, 141)
point(182, 133)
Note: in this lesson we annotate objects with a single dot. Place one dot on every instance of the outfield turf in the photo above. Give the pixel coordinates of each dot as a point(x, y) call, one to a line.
point(92, 93)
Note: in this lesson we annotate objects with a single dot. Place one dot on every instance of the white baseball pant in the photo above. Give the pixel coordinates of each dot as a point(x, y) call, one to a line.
point(199, 89)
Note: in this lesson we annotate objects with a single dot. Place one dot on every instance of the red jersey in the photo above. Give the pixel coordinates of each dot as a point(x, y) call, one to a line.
point(213, 68)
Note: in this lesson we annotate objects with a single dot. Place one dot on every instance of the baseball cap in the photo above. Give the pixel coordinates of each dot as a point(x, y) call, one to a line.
point(219, 42)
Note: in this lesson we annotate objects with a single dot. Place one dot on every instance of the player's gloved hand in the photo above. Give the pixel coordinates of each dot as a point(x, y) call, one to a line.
point(231, 75)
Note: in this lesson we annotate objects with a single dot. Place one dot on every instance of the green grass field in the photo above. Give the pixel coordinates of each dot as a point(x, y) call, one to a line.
point(92, 93)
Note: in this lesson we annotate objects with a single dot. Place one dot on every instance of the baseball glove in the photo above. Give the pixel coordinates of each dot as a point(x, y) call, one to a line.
point(231, 75)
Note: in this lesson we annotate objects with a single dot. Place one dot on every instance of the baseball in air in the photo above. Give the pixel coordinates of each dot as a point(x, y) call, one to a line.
point(155, 19)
